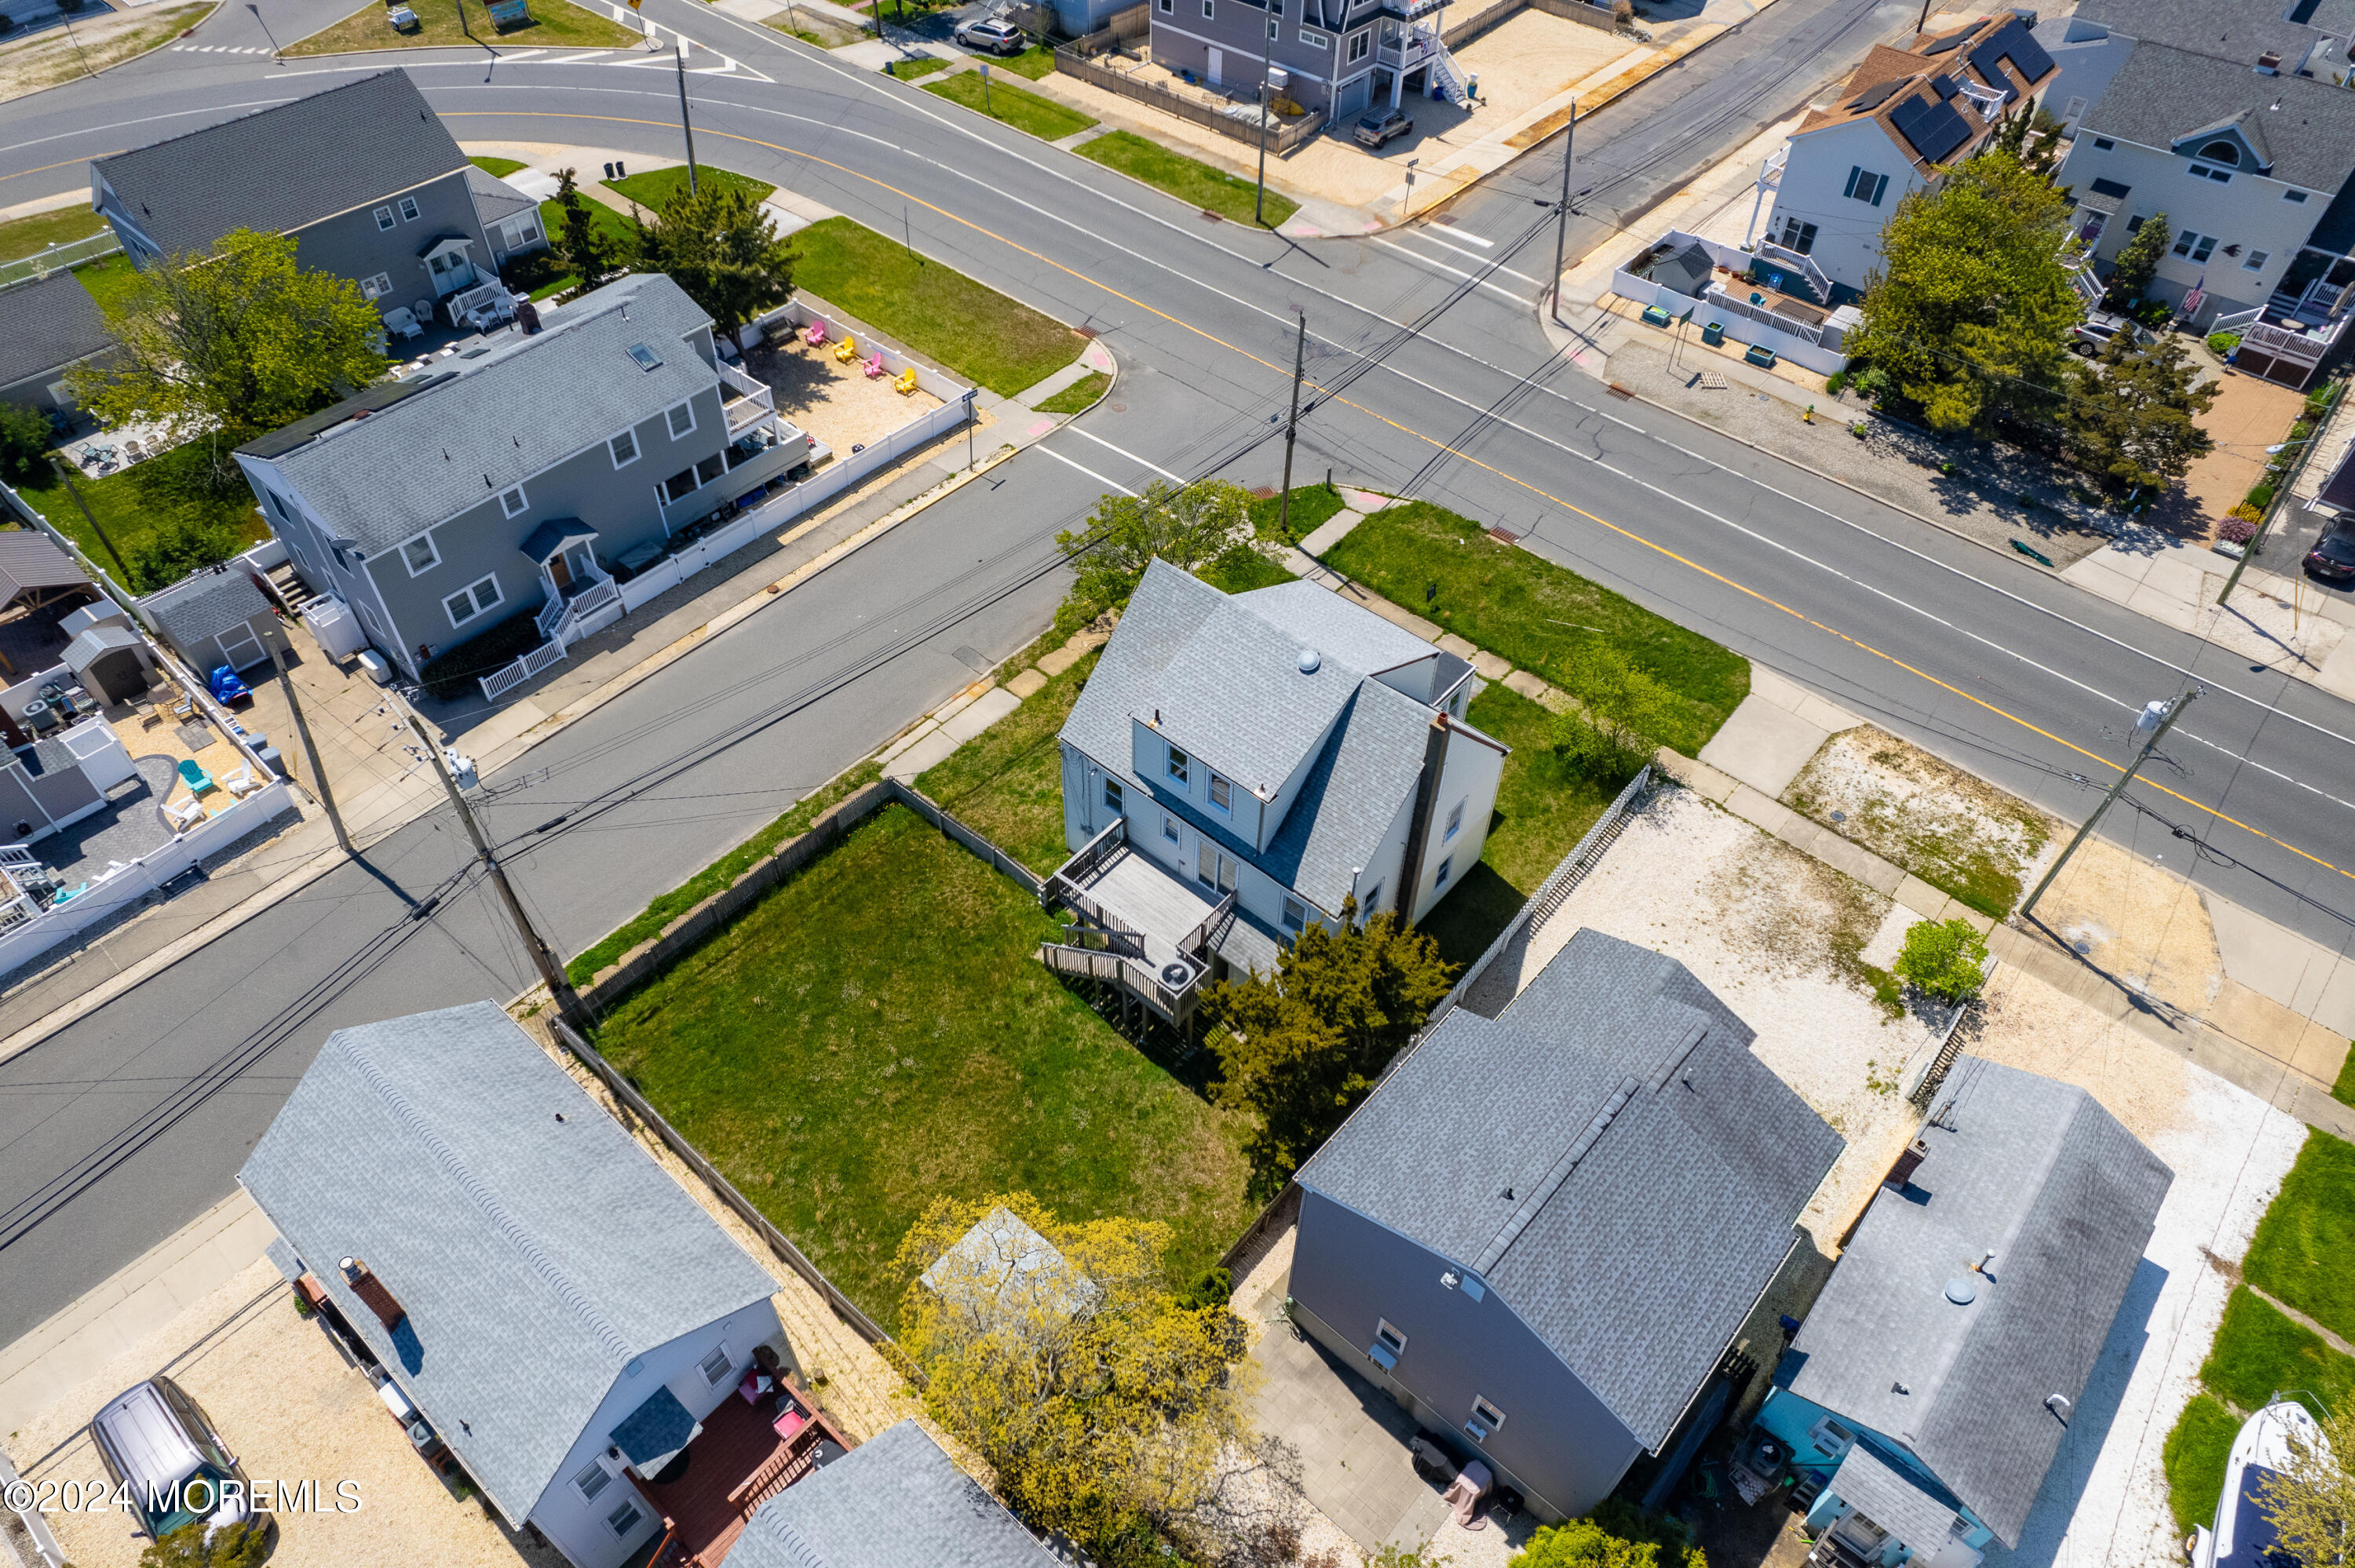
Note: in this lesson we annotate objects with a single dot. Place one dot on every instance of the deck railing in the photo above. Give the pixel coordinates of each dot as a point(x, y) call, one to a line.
point(72, 253)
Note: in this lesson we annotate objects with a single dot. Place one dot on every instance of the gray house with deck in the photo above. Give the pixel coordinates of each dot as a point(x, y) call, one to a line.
point(1340, 56)
point(1542, 1232)
point(513, 477)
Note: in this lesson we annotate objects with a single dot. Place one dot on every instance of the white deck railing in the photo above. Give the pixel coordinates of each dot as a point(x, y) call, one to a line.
point(72, 253)
point(1804, 265)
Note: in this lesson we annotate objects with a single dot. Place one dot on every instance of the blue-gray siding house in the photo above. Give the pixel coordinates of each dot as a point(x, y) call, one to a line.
point(1543, 1231)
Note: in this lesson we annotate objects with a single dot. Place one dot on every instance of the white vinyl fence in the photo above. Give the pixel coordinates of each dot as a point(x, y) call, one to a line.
point(1794, 341)
point(72, 253)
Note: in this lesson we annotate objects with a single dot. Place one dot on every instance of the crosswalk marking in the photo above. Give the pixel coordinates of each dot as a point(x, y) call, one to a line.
point(217, 49)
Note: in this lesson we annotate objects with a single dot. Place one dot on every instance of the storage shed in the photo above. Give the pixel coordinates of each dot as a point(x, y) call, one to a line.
point(112, 662)
point(215, 617)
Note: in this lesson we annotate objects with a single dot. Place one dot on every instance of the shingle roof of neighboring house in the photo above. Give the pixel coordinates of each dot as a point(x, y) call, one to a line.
point(493, 197)
point(1608, 1155)
point(2162, 95)
point(1912, 1509)
point(2235, 30)
point(1225, 675)
point(88, 647)
point(283, 167)
point(2039, 1174)
point(532, 401)
point(45, 325)
point(31, 560)
point(894, 1501)
point(536, 1249)
point(209, 605)
point(1914, 93)
point(1005, 1260)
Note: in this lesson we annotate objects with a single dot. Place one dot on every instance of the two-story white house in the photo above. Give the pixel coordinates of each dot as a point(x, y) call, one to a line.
point(1240, 767)
point(1905, 117)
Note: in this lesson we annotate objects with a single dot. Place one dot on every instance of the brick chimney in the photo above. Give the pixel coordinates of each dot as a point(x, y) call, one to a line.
point(1907, 1161)
point(370, 1290)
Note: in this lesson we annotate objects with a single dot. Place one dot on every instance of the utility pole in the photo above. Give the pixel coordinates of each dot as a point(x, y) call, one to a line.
point(1291, 428)
point(567, 1006)
point(2272, 510)
point(112, 552)
point(2155, 721)
point(1266, 62)
point(1561, 234)
point(679, 56)
point(310, 750)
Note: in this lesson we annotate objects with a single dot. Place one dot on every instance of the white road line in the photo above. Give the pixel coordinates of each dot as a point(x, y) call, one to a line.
point(526, 55)
point(1089, 472)
point(1437, 239)
point(576, 59)
point(1130, 456)
point(1441, 267)
point(1480, 241)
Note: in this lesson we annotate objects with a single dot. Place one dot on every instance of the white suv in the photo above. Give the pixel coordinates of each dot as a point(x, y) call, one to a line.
point(996, 36)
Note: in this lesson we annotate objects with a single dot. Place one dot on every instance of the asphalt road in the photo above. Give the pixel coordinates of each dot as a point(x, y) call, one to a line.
point(1435, 381)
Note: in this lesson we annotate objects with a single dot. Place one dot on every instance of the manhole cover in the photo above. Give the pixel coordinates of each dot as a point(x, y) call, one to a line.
point(1120, 408)
point(1839, 816)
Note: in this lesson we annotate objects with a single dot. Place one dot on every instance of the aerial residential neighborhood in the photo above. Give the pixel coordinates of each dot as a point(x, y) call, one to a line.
point(794, 784)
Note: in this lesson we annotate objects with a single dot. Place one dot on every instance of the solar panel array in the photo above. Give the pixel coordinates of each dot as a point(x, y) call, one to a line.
point(1873, 98)
point(1933, 128)
point(1945, 86)
point(2027, 55)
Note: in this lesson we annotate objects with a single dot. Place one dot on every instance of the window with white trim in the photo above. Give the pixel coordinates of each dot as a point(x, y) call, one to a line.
point(1222, 795)
point(1360, 44)
point(1169, 828)
point(1830, 1438)
point(624, 448)
point(1211, 869)
point(592, 1480)
point(716, 1366)
point(1296, 915)
point(472, 601)
point(1445, 868)
point(2222, 152)
point(1209, 8)
point(523, 230)
point(1274, 29)
point(512, 502)
point(1315, 40)
point(1485, 1418)
point(384, 219)
point(1389, 1344)
point(1798, 237)
point(1114, 795)
point(1166, 7)
point(624, 1519)
point(1454, 822)
point(420, 556)
point(1865, 187)
point(2256, 262)
point(2202, 172)
point(2195, 247)
point(376, 288)
point(408, 209)
point(681, 419)
point(1176, 766)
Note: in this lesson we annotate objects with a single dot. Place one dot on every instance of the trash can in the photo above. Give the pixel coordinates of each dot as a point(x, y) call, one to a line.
point(1655, 316)
point(1713, 333)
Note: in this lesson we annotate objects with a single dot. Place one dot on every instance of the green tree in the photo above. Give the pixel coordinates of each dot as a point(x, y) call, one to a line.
point(2137, 261)
point(1943, 958)
point(1186, 525)
point(1299, 1049)
point(2311, 1502)
point(1623, 714)
point(2031, 137)
point(1971, 308)
point(588, 253)
point(2135, 420)
point(1103, 1409)
point(723, 249)
point(243, 1545)
point(25, 442)
point(1617, 1535)
point(230, 345)
point(178, 546)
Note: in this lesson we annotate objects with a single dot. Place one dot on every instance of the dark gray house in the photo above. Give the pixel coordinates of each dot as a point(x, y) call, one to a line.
point(1934, 1378)
point(1336, 55)
point(364, 176)
point(47, 327)
point(895, 1501)
point(1542, 1232)
point(508, 478)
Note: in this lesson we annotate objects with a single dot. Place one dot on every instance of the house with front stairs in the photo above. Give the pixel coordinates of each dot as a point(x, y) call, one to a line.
point(1240, 767)
point(1339, 58)
point(1904, 118)
point(514, 474)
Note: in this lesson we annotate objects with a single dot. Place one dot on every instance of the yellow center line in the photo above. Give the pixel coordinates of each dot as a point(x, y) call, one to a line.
point(1460, 456)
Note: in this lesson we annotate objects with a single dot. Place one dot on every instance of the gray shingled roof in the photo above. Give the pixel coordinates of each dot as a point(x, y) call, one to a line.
point(531, 402)
point(1608, 1155)
point(2038, 1173)
point(1225, 675)
point(32, 560)
point(894, 1501)
point(1902, 1504)
point(104, 638)
point(2162, 94)
point(2234, 30)
point(205, 605)
point(493, 197)
point(536, 1247)
point(283, 167)
point(1338, 628)
point(45, 325)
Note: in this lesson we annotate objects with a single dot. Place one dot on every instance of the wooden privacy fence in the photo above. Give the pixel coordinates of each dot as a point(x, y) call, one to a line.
point(1075, 60)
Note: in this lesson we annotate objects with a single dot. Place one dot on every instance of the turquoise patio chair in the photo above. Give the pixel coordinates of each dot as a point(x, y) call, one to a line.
point(194, 776)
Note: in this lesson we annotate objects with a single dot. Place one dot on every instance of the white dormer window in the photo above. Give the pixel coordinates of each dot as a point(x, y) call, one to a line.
point(512, 502)
point(716, 1366)
point(1296, 915)
point(1221, 794)
point(1454, 822)
point(1176, 766)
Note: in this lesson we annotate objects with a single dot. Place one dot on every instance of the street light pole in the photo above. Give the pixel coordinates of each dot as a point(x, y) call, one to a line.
point(678, 56)
point(1561, 234)
point(1292, 427)
point(2272, 510)
point(2155, 722)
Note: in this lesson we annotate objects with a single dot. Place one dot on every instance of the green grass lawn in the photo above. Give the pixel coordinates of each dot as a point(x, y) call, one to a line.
point(555, 24)
point(497, 168)
point(2343, 1091)
point(976, 332)
point(2258, 1352)
point(653, 187)
point(1189, 179)
point(1076, 397)
point(615, 228)
point(922, 65)
point(1042, 117)
point(1524, 608)
point(1239, 568)
point(23, 237)
point(130, 512)
point(1007, 783)
point(879, 1033)
point(2302, 1246)
point(2194, 1457)
point(108, 278)
point(1034, 62)
point(1313, 507)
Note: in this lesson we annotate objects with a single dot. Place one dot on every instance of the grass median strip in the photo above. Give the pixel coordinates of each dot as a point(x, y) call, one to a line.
point(2300, 1251)
point(976, 332)
point(1042, 117)
point(1076, 397)
point(497, 168)
point(1189, 179)
point(555, 24)
point(1523, 607)
point(656, 186)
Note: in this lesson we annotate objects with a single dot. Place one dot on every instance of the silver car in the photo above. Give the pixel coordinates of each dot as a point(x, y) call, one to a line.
point(157, 1444)
point(996, 36)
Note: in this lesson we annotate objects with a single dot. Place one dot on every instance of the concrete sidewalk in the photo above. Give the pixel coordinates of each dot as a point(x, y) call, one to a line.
point(2284, 623)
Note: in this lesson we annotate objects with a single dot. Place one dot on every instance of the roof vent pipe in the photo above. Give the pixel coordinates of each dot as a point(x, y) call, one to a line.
point(2058, 1403)
point(1308, 661)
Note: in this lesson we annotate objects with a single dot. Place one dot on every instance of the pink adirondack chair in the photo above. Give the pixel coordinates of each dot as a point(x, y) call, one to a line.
point(875, 368)
point(816, 335)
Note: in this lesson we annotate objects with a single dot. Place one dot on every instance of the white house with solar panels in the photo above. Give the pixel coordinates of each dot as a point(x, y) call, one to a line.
point(1904, 118)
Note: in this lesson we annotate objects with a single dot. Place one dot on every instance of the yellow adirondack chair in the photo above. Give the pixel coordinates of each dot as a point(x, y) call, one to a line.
point(907, 382)
point(847, 350)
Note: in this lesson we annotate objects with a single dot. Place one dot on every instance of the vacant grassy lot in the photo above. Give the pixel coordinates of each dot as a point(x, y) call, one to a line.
point(555, 24)
point(1189, 179)
point(2258, 1352)
point(2302, 1246)
point(1536, 614)
point(976, 332)
point(656, 186)
point(131, 507)
point(1042, 117)
point(877, 1033)
point(1075, 399)
point(1007, 783)
point(23, 237)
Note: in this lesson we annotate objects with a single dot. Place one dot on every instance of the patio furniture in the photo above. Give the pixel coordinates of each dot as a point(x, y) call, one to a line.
point(816, 336)
point(76, 891)
point(239, 781)
point(184, 814)
point(184, 708)
point(401, 323)
point(847, 350)
point(907, 382)
point(423, 310)
point(875, 365)
point(193, 775)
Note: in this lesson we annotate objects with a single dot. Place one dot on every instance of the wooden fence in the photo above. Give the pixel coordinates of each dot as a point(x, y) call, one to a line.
point(1074, 59)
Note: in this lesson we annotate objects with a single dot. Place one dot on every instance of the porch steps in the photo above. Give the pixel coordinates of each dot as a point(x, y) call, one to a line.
point(1449, 77)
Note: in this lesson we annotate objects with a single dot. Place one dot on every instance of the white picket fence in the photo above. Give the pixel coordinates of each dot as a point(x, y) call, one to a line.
point(547, 654)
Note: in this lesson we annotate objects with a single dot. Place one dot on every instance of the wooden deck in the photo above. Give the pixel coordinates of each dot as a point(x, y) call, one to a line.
point(735, 1464)
point(1150, 899)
